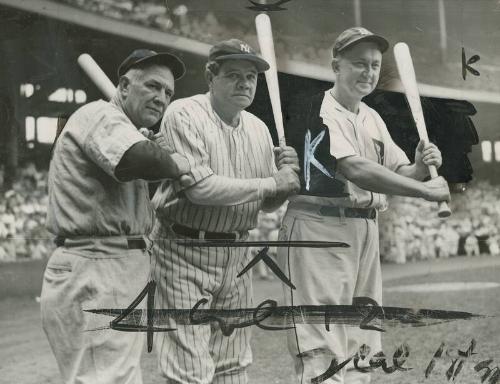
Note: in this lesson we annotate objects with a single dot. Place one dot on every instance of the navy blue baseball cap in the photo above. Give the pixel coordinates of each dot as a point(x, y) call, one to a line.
point(355, 35)
point(235, 49)
point(143, 56)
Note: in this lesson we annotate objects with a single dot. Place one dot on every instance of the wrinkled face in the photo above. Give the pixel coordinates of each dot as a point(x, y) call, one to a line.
point(235, 84)
point(358, 69)
point(146, 93)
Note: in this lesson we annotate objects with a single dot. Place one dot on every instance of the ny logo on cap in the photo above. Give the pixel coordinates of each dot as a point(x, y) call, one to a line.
point(245, 48)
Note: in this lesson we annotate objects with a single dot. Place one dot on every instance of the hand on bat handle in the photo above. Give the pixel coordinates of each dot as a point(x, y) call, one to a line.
point(286, 155)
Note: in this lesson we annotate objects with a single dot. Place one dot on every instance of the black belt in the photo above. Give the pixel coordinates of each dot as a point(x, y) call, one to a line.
point(355, 213)
point(132, 243)
point(195, 234)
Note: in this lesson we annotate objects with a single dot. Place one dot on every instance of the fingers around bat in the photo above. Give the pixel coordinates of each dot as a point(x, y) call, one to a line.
point(185, 181)
point(421, 145)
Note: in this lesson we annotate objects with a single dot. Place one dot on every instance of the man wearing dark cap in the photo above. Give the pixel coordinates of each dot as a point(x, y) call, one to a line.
point(356, 165)
point(233, 175)
point(99, 210)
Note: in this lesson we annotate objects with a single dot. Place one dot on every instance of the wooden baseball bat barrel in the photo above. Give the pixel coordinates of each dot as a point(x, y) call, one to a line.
point(266, 43)
point(409, 81)
point(97, 75)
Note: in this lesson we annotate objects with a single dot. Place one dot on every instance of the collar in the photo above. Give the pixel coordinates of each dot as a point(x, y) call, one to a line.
point(223, 124)
point(331, 106)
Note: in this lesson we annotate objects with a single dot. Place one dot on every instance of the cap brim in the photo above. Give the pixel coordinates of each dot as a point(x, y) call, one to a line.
point(382, 43)
point(171, 61)
point(261, 64)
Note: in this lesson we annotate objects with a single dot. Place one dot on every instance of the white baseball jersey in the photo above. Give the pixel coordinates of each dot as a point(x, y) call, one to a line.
point(334, 276)
point(363, 134)
point(192, 128)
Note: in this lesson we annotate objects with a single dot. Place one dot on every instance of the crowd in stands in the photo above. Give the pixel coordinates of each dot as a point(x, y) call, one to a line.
point(22, 217)
point(202, 27)
point(410, 229)
point(199, 24)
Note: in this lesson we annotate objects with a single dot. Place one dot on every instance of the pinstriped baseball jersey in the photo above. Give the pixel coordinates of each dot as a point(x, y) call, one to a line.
point(192, 128)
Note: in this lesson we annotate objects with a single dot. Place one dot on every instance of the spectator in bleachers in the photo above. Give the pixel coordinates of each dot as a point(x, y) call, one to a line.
point(22, 217)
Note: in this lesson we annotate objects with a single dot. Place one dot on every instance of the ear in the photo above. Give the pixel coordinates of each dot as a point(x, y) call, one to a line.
point(124, 85)
point(335, 65)
point(209, 76)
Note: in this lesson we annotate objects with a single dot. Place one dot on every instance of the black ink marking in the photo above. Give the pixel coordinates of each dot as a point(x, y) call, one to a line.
point(432, 363)
point(258, 7)
point(245, 244)
point(271, 309)
point(375, 312)
point(466, 65)
point(332, 370)
point(378, 360)
point(131, 319)
point(262, 255)
point(457, 363)
point(118, 323)
point(493, 374)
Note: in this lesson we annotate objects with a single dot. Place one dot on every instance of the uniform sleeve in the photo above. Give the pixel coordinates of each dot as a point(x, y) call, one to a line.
point(111, 134)
point(182, 137)
point(395, 157)
point(341, 140)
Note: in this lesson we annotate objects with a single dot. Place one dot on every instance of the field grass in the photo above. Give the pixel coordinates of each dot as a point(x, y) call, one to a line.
point(25, 357)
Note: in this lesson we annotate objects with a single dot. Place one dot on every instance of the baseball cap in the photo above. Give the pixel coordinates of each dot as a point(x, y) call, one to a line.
point(235, 49)
point(141, 56)
point(356, 35)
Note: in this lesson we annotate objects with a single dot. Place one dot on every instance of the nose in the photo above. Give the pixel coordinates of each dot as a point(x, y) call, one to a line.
point(244, 83)
point(160, 99)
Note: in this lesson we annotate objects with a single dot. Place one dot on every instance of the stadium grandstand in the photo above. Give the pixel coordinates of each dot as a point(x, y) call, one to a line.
point(41, 83)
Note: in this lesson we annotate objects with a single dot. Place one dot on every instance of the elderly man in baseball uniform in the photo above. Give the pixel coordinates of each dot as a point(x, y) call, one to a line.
point(233, 175)
point(356, 163)
point(99, 209)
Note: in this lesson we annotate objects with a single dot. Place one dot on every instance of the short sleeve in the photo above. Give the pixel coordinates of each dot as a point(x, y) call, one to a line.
point(395, 157)
point(111, 134)
point(182, 137)
point(341, 142)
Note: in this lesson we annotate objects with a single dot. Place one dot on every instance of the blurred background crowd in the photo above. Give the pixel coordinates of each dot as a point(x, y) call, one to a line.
point(409, 230)
point(23, 208)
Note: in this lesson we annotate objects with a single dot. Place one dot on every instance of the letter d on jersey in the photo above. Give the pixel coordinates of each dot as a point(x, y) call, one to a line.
point(309, 150)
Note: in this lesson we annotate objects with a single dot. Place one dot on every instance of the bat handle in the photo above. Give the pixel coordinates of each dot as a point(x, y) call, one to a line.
point(443, 208)
point(282, 141)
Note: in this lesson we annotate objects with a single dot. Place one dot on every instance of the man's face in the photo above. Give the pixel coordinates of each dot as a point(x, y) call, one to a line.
point(235, 84)
point(358, 69)
point(146, 93)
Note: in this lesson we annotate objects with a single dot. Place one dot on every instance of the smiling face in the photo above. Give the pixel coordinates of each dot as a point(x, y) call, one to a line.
point(146, 93)
point(358, 69)
point(233, 87)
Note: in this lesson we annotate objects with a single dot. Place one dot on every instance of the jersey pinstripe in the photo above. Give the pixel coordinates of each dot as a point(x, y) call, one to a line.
point(192, 128)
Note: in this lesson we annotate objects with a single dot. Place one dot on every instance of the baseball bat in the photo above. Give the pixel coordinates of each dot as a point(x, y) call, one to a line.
point(266, 43)
point(409, 81)
point(97, 75)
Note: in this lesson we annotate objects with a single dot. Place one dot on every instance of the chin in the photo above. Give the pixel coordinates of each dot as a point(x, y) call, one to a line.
point(147, 123)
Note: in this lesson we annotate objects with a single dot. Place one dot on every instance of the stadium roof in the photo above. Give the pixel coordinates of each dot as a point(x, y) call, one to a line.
point(155, 36)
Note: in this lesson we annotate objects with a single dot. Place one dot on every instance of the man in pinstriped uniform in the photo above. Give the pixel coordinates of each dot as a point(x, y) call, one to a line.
point(233, 175)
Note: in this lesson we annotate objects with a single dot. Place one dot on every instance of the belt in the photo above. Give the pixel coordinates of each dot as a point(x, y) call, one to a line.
point(355, 213)
point(132, 243)
point(195, 234)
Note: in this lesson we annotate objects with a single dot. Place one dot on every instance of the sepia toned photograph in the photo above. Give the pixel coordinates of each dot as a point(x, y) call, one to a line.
point(249, 191)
